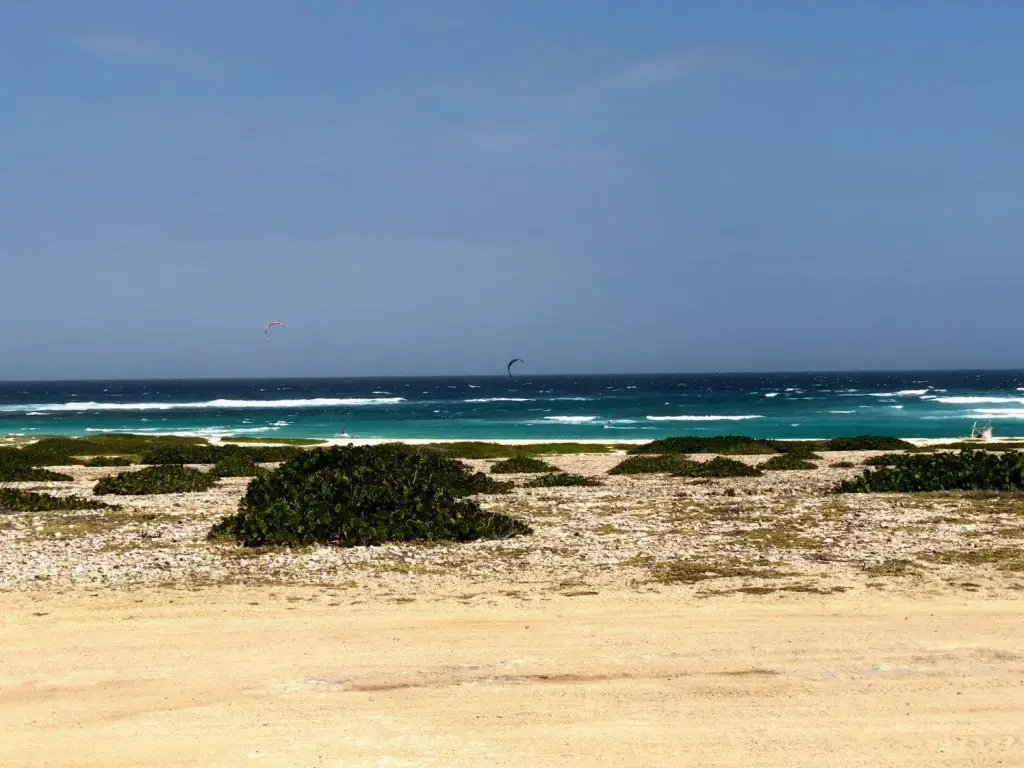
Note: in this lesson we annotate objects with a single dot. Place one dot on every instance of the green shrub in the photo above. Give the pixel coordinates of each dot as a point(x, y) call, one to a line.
point(12, 500)
point(210, 454)
point(562, 480)
point(282, 440)
point(843, 465)
point(803, 448)
point(521, 464)
point(643, 465)
point(15, 467)
point(109, 461)
point(964, 471)
point(868, 443)
point(361, 496)
point(717, 467)
point(168, 478)
point(733, 445)
point(786, 461)
point(236, 465)
point(884, 460)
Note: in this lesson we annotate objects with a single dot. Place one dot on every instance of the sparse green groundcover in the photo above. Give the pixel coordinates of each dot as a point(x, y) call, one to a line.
point(360, 496)
point(786, 461)
point(521, 464)
point(66, 451)
point(562, 480)
point(733, 445)
point(16, 467)
point(281, 440)
point(211, 454)
point(964, 471)
point(168, 478)
point(109, 461)
point(843, 465)
point(478, 450)
point(12, 500)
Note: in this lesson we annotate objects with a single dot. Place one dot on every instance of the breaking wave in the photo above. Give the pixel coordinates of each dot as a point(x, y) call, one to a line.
point(705, 418)
point(316, 402)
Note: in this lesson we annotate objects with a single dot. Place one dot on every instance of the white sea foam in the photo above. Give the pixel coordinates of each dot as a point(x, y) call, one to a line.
point(772, 394)
point(896, 406)
point(571, 419)
point(999, 413)
point(711, 417)
point(500, 400)
point(977, 400)
point(316, 402)
point(199, 432)
point(842, 411)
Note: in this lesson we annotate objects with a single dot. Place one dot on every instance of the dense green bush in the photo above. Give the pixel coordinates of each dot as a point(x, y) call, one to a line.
point(211, 454)
point(15, 467)
point(717, 467)
point(167, 478)
point(12, 500)
point(644, 465)
point(562, 480)
point(109, 461)
point(786, 461)
point(521, 464)
point(868, 443)
point(360, 496)
point(964, 471)
point(236, 465)
point(843, 465)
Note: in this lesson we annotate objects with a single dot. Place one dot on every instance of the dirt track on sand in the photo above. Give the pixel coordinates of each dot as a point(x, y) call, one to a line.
point(297, 676)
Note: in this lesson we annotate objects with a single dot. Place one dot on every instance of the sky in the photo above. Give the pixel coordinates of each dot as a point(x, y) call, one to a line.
point(432, 188)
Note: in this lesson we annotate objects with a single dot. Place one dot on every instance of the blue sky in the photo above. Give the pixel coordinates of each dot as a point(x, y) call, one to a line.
point(435, 187)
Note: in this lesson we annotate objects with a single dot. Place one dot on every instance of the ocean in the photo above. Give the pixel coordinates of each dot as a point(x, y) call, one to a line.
point(785, 405)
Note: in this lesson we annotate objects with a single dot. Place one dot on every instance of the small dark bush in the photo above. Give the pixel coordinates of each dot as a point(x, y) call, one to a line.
point(844, 465)
point(562, 480)
point(964, 471)
point(360, 496)
point(235, 465)
point(717, 467)
point(884, 460)
point(210, 454)
point(786, 461)
point(802, 448)
point(169, 478)
point(109, 461)
point(521, 464)
point(868, 443)
point(732, 445)
point(12, 500)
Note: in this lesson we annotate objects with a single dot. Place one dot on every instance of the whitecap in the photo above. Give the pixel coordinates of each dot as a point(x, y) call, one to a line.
point(316, 402)
point(842, 411)
point(571, 419)
point(705, 418)
point(773, 394)
point(500, 400)
point(977, 400)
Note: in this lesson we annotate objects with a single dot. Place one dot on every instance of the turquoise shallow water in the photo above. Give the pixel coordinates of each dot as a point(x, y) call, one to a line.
point(804, 405)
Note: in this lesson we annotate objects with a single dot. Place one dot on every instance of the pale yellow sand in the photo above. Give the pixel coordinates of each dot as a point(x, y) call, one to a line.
point(235, 676)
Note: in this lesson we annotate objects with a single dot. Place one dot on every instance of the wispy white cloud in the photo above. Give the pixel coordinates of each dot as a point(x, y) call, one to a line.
point(646, 74)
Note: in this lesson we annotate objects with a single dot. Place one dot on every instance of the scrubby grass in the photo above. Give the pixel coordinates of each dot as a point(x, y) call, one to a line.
point(693, 571)
point(788, 461)
point(563, 480)
point(481, 450)
point(843, 465)
point(13, 500)
point(868, 443)
point(156, 480)
point(281, 440)
point(521, 464)
point(211, 454)
point(109, 461)
point(65, 451)
point(733, 445)
point(1004, 558)
point(964, 471)
point(361, 496)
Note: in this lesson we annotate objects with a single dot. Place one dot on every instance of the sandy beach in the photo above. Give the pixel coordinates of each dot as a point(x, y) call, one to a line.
point(647, 621)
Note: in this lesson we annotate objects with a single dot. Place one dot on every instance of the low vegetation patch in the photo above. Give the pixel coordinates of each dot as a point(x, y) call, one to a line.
point(236, 465)
point(13, 500)
point(563, 480)
point(211, 454)
point(521, 464)
point(734, 445)
point(964, 471)
point(281, 440)
point(787, 461)
point(479, 450)
point(868, 443)
point(19, 473)
point(693, 571)
point(361, 496)
point(717, 467)
point(168, 478)
point(643, 465)
point(109, 461)
point(843, 465)
point(66, 451)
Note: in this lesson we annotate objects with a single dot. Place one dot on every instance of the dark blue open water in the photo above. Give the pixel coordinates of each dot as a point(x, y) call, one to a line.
point(805, 405)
